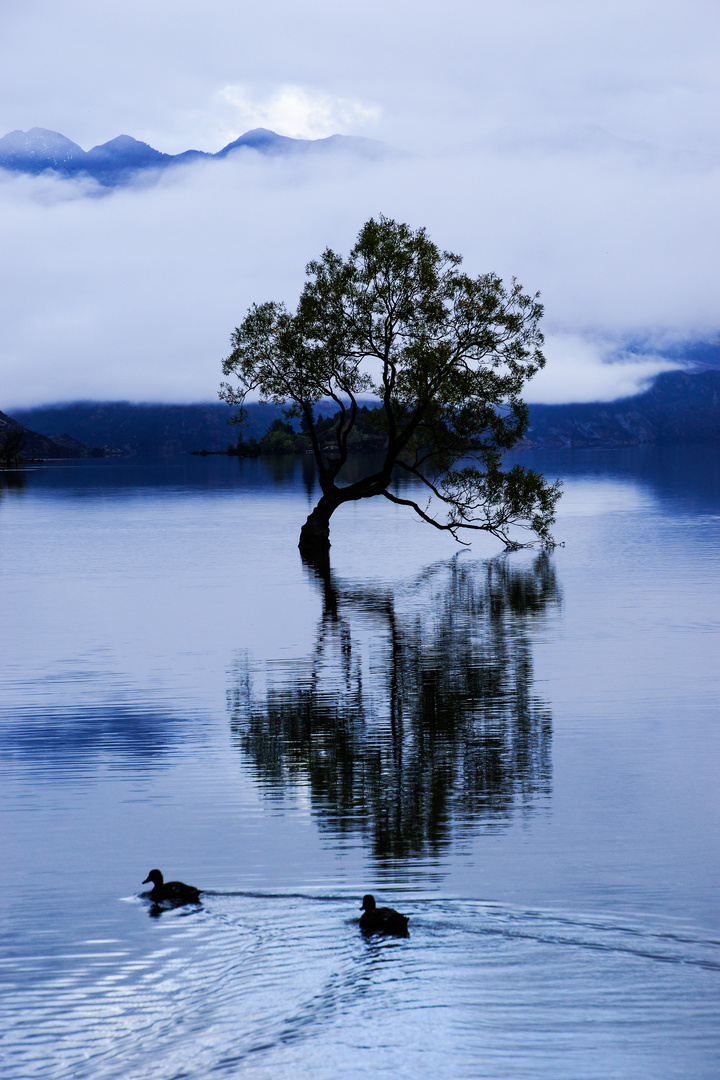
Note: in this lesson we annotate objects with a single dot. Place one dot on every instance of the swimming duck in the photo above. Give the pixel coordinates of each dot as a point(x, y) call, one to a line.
point(173, 892)
point(381, 920)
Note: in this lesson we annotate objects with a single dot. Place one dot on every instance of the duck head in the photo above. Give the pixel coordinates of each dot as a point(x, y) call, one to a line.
point(368, 903)
point(155, 876)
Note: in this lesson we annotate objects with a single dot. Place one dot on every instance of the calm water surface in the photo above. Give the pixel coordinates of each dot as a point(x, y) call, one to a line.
point(520, 752)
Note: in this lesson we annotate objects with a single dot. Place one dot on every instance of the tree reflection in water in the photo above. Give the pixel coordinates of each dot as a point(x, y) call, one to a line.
point(413, 720)
point(12, 479)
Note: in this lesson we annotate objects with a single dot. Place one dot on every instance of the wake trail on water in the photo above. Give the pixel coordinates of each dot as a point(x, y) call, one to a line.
point(260, 984)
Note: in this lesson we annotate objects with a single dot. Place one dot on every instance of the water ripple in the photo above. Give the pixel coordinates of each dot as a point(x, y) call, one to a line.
point(266, 984)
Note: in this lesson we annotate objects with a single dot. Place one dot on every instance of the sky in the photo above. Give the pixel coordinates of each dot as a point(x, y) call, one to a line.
point(574, 145)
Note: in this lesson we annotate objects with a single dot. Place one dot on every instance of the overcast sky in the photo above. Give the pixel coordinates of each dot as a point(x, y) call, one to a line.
point(572, 144)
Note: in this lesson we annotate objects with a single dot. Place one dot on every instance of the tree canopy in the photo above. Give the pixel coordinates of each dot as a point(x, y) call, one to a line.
point(446, 356)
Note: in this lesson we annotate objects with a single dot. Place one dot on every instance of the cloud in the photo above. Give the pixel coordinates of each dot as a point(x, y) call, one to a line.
point(572, 145)
point(134, 294)
point(642, 69)
point(582, 369)
point(297, 112)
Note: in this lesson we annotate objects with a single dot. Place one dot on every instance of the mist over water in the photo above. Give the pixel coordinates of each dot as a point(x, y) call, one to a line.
point(519, 752)
point(134, 295)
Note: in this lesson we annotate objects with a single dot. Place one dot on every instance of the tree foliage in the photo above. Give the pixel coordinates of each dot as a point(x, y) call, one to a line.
point(12, 442)
point(446, 355)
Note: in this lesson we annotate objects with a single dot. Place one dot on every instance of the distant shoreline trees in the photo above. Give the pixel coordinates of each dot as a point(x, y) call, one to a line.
point(445, 354)
point(282, 437)
point(12, 443)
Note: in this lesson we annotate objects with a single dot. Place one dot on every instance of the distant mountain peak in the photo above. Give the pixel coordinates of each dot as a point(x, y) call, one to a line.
point(126, 152)
point(124, 143)
point(258, 133)
point(39, 138)
point(38, 145)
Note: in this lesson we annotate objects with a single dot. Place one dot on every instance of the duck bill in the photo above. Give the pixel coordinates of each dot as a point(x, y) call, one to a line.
point(145, 882)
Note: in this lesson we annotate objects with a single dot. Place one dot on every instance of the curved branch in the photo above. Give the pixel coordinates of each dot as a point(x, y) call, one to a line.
point(448, 527)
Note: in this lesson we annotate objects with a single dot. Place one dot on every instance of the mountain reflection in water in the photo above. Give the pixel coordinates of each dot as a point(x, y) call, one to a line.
point(413, 719)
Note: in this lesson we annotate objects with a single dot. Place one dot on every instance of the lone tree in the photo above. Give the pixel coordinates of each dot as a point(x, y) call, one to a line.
point(446, 355)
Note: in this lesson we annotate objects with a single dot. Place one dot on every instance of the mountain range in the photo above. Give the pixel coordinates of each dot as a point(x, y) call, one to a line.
point(33, 445)
point(681, 407)
point(122, 159)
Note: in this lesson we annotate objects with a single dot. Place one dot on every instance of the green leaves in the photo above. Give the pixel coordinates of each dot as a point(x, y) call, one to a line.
point(501, 502)
point(445, 354)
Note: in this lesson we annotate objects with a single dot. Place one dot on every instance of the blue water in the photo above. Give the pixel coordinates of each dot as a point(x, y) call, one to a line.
point(520, 752)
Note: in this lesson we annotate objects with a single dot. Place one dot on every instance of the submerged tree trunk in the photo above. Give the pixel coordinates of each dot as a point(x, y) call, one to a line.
point(315, 533)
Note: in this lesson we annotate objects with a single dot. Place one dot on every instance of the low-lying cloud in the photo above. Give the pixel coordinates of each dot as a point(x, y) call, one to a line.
point(134, 294)
point(572, 145)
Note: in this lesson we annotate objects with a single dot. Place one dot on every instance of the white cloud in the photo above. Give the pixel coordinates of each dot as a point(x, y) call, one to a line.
point(573, 145)
point(134, 294)
point(296, 111)
point(642, 69)
point(584, 369)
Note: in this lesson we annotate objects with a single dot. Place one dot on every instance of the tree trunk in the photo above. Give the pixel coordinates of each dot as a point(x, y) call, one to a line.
point(315, 533)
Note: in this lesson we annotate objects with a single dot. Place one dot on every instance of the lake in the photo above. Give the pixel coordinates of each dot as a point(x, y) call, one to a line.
point(518, 751)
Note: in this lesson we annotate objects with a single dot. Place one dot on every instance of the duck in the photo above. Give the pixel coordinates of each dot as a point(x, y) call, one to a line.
point(381, 920)
point(172, 892)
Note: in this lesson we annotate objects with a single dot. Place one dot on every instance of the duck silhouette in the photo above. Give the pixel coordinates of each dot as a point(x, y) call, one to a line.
point(170, 892)
point(381, 920)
